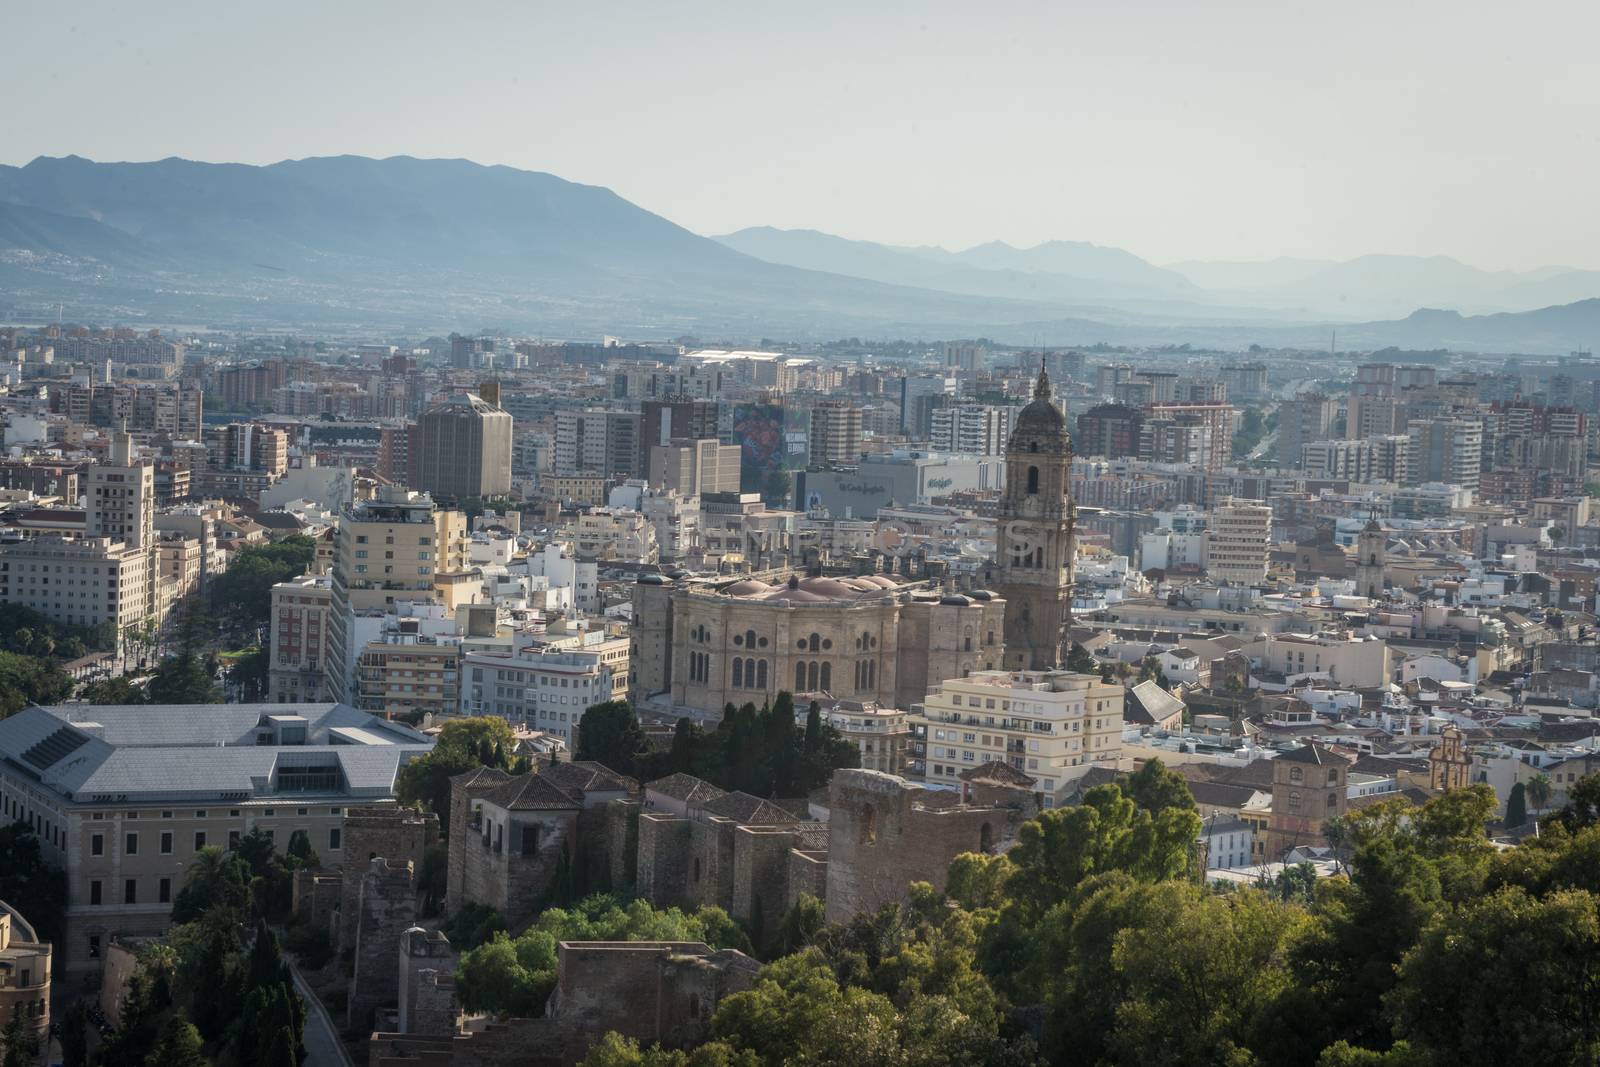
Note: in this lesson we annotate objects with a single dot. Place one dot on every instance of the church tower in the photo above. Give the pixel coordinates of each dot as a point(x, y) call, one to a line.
point(1034, 548)
point(1372, 558)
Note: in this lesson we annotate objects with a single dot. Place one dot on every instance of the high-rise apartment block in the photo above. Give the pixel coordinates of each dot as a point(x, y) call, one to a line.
point(1302, 420)
point(836, 431)
point(463, 449)
point(971, 429)
point(1238, 535)
point(693, 468)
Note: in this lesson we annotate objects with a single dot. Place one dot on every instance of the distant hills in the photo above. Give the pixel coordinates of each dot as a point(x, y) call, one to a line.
point(401, 244)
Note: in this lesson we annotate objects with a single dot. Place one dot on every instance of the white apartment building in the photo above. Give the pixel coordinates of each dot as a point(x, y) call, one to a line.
point(1238, 533)
point(1051, 725)
point(972, 429)
point(881, 734)
point(542, 690)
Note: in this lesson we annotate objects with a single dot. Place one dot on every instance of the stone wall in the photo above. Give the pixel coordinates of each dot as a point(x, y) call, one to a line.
point(507, 880)
point(316, 895)
point(760, 879)
point(464, 790)
point(652, 991)
point(622, 840)
point(386, 908)
point(663, 861)
point(885, 832)
point(427, 983)
point(397, 834)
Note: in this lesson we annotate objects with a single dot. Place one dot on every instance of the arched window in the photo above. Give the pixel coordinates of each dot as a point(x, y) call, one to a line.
point(872, 675)
point(811, 675)
point(1033, 480)
point(869, 825)
point(985, 838)
point(814, 642)
point(749, 639)
point(761, 674)
point(697, 868)
point(1033, 446)
point(827, 676)
point(1333, 801)
point(738, 672)
point(799, 677)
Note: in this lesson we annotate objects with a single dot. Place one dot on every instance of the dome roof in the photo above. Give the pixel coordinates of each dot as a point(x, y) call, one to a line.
point(1041, 416)
point(748, 587)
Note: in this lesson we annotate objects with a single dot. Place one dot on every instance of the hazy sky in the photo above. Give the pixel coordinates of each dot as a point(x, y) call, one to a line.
point(1177, 130)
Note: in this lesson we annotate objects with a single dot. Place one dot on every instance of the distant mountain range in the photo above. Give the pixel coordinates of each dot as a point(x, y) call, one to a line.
point(401, 244)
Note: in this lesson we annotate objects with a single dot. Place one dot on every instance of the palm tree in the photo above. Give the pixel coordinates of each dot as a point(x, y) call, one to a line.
point(1537, 790)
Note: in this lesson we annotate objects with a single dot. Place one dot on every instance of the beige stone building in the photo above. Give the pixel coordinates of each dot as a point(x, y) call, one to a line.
point(407, 675)
point(24, 973)
point(298, 639)
point(881, 734)
point(1052, 725)
point(1309, 786)
point(124, 798)
point(395, 547)
point(1238, 534)
point(872, 638)
point(695, 467)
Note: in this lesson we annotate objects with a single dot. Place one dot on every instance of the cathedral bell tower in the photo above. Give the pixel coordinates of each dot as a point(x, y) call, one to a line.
point(1372, 560)
point(1034, 548)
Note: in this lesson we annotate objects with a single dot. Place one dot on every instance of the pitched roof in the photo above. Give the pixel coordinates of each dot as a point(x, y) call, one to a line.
point(530, 792)
point(997, 771)
point(1148, 704)
point(1222, 794)
point(1311, 752)
point(685, 787)
point(748, 810)
point(588, 777)
point(480, 776)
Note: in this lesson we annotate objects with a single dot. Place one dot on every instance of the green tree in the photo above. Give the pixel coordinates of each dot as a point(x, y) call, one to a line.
point(515, 976)
point(1195, 978)
point(1508, 979)
point(609, 733)
point(1080, 661)
point(1155, 789)
point(242, 595)
point(1538, 790)
point(216, 880)
point(462, 745)
point(178, 1046)
point(1517, 807)
point(28, 680)
point(20, 1044)
point(74, 1036)
point(118, 690)
point(28, 883)
point(1108, 831)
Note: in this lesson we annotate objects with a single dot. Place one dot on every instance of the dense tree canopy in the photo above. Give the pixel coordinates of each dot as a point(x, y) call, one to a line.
point(242, 595)
point(1434, 950)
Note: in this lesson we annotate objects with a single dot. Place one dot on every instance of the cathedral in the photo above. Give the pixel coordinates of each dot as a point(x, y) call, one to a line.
point(1034, 548)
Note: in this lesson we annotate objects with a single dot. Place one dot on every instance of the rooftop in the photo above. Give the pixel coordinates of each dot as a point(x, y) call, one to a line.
point(231, 752)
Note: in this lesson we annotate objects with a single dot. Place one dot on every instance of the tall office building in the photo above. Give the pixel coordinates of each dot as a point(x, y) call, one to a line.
point(694, 468)
point(836, 429)
point(1110, 430)
point(464, 449)
point(919, 395)
point(664, 421)
point(1302, 420)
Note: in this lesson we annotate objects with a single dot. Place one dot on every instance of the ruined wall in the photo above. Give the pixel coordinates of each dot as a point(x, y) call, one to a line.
point(316, 895)
point(760, 879)
point(652, 991)
point(427, 983)
point(808, 873)
point(881, 838)
point(518, 1043)
point(386, 908)
point(396, 834)
point(663, 861)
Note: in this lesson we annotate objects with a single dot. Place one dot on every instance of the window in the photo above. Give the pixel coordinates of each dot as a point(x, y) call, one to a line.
point(333, 839)
point(131, 845)
point(94, 946)
point(97, 844)
point(164, 892)
point(94, 891)
point(166, 842)
point(200, 840)
point(1033, 481)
